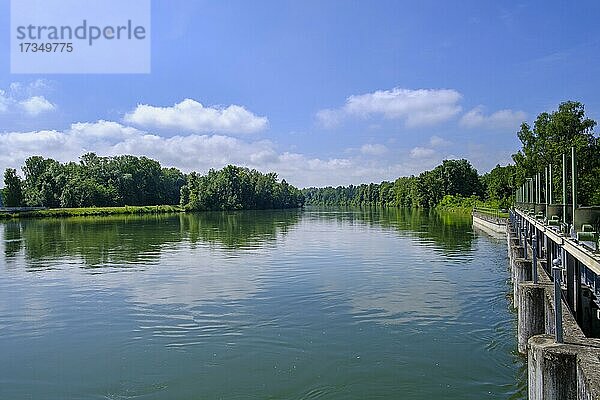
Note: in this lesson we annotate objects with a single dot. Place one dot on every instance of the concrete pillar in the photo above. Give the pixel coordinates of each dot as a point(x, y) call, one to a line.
point(531, 315)
point(588, 375)
point(552, 370)
point(517, 252)
point(521, 273)
point(585, 312)
point(541, 268)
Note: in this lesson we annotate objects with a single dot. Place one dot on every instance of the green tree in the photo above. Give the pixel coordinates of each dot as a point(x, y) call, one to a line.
point(554, 134)
point(13, 189)
point(500, 185)
point(237, 188)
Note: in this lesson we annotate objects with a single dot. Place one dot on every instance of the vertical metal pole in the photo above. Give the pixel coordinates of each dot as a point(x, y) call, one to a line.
point(550, 184)
point(538, 179)
point(534, 262)
point(537, 192)
point(533, 194)
point(564, 187)
point(556, 274)
point(525, 234)
point(546, 191)
point(519, 231)
point(574, 185)
point(546, 244)
point(521, 194)
point(532, 191)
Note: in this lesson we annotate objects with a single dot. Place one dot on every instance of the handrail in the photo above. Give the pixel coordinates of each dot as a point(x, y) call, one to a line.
point(585, 256)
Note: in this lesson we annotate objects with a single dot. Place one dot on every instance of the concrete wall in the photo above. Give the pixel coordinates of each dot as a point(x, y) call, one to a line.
point(488, 225)
point(556, 371)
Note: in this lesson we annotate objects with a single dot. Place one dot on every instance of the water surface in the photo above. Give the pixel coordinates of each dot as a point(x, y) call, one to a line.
point(331, 304)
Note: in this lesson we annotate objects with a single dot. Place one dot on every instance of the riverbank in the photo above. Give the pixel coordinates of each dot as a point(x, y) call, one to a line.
point(92, 211)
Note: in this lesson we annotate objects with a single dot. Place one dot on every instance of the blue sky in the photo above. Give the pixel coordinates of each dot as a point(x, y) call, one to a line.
point(322, 92)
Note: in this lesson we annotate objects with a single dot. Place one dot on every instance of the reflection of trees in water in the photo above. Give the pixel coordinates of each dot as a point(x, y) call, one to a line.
point(102, 241)
point(98, 240)
point(12, 238)
point(130, 239)
point(451, 231)
point(237, 229)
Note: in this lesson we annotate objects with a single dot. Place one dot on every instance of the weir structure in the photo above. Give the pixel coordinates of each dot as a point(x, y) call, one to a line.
point(554, 258)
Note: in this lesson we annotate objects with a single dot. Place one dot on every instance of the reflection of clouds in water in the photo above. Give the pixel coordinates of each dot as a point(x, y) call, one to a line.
point(383, 276)
point(180, 274)
point(16, 303)
point(192, 276)
point(49, 293)
point(2, 245)
point(30, 304)
point(186, 296)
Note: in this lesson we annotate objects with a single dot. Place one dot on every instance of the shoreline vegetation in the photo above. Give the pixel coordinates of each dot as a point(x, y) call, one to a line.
point(134, 185)
point(91, 211)
point(456, 185)
point(129, 184)
point(147, 210)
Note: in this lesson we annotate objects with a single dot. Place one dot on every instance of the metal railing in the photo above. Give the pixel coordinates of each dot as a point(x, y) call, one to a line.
point(535, 198)
point(494, 215)
point(573, 267)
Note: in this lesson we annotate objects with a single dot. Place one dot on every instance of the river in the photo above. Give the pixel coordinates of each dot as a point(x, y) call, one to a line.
point(320, 303)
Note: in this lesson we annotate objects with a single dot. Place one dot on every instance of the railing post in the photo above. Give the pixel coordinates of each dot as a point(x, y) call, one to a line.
point(556, 274)
point(534, 262)
point(564, 187)
point(546, 193)
point(574, 188)
point(525, 234)
point(550, 184)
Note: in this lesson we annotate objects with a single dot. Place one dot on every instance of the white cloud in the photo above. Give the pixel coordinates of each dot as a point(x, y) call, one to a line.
point(192, 116)
point(415, 107)
point(196, 152)
point(436, 141)
point(36, 105)
point(422, 152)
point(373, 149)
point(37, 87)
point(329, 118)
point(26, 98)
point(502, 119)
point(4, 101)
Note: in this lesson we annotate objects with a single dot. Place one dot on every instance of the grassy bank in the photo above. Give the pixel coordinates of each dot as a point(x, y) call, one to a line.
point(90, 211)
point(467, 204)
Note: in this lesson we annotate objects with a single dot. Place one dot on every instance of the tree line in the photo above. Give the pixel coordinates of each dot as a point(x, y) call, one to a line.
point(427, 190)
point(457, 183)
point(130, 180)
point(552, 135)
point(139, 181)
point(237, 188)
